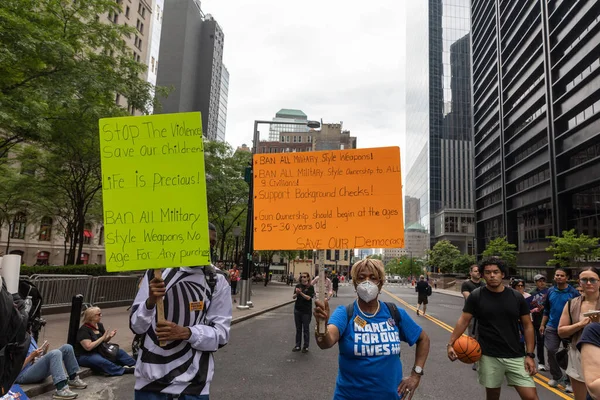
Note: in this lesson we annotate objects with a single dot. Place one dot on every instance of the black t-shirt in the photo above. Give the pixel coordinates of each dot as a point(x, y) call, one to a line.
point(498, 316)
point(302, 304)
point(421, 287)
point(335, 281)
point(469, 286)
point(85, 332)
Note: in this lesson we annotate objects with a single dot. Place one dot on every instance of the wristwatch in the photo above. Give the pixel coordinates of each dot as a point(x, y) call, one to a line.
point(418, 370)
point(532, 355)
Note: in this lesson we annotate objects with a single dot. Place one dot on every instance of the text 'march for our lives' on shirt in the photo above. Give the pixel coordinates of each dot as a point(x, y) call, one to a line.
point(154, 191)
point(336, 199)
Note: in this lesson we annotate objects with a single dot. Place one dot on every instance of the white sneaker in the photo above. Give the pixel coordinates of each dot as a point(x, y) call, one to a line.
point(77, 383)
point(568, 388)
point(542, 367)
point(553, 383)
point(64, 393)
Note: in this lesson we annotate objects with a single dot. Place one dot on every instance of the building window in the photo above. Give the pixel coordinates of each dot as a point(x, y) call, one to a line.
point(101, 236)
point(87, 234)
point(85, 258)
point(19, 225)
point(117, 99)
point(45, 230)
point(127, 11)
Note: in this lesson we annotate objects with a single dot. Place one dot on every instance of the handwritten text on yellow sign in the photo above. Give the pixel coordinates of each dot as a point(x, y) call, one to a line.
point(154, 192)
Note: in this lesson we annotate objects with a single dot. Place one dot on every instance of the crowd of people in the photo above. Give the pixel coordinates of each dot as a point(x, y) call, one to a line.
point(551, 329)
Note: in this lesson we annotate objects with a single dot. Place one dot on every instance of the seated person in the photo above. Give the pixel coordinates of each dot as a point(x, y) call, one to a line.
point(41, 364)
point(89, 337)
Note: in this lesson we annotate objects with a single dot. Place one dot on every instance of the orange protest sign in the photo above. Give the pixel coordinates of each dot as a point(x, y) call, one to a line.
point(341, 199)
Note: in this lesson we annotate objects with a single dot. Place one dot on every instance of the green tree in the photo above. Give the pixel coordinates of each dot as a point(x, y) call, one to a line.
point(56, 53)
point(570, 249)
point(226, 190)
point(399, 266)
point(443, 255)
point(501, 248)
point(15, 196)
point(464, 262)
point(375, 257)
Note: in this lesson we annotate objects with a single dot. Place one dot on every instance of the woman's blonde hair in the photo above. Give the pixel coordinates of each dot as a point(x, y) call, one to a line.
point(89, 314)
point(370, 265)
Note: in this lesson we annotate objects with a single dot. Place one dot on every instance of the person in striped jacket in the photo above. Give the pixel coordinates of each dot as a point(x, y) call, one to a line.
point(197, 303)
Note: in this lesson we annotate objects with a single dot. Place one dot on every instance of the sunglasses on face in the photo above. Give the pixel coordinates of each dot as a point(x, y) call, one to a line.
point(593, 281)
point(520, 285)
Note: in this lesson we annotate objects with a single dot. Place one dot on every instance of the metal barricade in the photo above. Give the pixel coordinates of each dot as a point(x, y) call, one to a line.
point(58, 290)
point(114, 289)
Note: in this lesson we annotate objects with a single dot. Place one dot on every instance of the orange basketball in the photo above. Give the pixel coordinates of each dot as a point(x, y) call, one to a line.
point(467, 349)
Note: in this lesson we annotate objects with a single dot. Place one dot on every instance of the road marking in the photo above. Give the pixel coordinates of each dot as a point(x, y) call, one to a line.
point(538, 378)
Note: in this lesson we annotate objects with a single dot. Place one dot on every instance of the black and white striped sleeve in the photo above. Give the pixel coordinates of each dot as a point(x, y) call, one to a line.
point(140, 319)
point(215, 333)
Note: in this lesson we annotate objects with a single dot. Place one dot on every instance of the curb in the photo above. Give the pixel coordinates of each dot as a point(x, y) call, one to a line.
point(448, 293)
point(254, 314)
point(47, 386)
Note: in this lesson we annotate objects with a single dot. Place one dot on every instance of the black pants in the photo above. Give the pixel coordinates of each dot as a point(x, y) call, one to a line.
point(539, 339)
point(233, 287)
point(302, 320)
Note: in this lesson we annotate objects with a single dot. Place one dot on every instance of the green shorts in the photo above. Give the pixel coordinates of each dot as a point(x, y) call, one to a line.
point(492, 371)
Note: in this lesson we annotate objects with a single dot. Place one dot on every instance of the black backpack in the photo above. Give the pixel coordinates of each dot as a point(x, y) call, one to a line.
point(429, 290)
point(33, 309)
point(391, 307)
point(14, 339)
point(210, 274)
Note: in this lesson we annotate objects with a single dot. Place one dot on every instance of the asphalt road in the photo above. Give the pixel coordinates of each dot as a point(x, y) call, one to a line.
point(258, 362)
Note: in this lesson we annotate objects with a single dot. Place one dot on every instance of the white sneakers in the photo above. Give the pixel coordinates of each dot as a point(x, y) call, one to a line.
point(64, 393)
point(77, 383)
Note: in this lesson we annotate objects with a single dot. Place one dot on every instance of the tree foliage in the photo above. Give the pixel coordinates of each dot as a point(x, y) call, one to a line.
point(570, 249)
point(61, 68)
point(464, 262)
point(501, 248)
point(443, 256)
point(226, 190)
point(54, 54)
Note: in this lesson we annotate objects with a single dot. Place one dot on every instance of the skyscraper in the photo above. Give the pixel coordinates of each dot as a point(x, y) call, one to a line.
point(191, 54)
point(438, 121)
point(223, 98)
point(536, 79)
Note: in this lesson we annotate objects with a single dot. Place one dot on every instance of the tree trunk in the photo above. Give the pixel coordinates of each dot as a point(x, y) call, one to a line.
point(8, 237)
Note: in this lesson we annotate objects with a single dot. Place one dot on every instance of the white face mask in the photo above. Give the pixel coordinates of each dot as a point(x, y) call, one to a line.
point(367, 291)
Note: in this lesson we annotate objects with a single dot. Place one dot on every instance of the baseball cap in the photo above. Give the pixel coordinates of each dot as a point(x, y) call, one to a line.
point(538, 277)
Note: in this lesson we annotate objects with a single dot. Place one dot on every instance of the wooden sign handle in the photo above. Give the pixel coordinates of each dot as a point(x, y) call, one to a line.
point(160, 305)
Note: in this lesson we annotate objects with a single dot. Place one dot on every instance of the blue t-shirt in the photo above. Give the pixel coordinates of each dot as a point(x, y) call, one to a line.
point(555, 303)
point(590, 335)
point(369, 360)
point(32, 347)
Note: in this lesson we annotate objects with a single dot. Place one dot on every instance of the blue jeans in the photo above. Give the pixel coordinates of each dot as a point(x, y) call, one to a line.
point(51, 365)
point(98, 363)
point(141, 395)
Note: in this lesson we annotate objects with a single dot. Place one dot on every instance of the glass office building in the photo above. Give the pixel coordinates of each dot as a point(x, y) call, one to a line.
point(439, 153)
point(536, 76)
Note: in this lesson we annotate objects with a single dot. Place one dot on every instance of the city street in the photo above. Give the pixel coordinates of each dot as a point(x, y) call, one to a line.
point(258, 362)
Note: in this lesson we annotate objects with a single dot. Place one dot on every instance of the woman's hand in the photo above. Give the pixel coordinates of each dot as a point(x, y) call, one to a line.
point(321, 311)
point(106, 336)
point(112, 334)
point(408, 386)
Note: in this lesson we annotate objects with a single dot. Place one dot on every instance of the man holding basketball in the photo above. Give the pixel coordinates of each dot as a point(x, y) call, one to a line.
point(499, 310)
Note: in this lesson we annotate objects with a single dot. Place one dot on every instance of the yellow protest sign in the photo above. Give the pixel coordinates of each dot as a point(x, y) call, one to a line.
point(154, 192)
point(341, 199)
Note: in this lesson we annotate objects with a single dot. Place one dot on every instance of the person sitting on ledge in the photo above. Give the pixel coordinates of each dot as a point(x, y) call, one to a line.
point(40, 364)
point(90, 337)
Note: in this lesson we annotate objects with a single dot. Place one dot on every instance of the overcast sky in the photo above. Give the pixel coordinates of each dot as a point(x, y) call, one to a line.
point(339, 60)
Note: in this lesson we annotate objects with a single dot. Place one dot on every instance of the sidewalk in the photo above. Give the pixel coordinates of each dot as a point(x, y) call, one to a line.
point(265, 299)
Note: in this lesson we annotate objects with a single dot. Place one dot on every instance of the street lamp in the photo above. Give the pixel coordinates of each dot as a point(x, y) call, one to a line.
point(245, 302)
point(237, 231)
